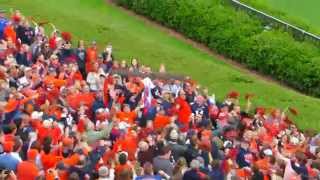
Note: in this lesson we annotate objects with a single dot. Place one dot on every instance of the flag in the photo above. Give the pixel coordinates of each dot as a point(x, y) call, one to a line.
point(293, 111)
point(147, 96)
point(233, 94)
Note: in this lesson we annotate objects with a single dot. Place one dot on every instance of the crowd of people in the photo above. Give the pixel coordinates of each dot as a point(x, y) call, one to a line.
point(66, 114)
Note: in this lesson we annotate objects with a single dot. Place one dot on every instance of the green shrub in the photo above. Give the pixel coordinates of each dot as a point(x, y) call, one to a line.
point(237, 35)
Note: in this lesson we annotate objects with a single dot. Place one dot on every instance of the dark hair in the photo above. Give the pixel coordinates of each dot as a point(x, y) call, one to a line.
point(193, 140)
point(122, 158)
point(165, 150)
point(137, 66)
point(317, 150)
point(273, 160)
point(47, 148)
point(301, 157)
point(36, 145)
point(9, 128)
point(18, 121)
point(65, 153)
point(47, 141)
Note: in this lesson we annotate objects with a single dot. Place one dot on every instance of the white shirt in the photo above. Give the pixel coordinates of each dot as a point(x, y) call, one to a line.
point(17, 156)
point(111, 175)
point(93, 81)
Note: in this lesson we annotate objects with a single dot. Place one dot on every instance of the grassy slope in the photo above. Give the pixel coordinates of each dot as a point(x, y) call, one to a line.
point(308, 10)
point(298, 12)
point(93, 19)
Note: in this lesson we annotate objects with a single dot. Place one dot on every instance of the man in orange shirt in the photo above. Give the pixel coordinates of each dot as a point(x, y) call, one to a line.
point(92, 56)
point(123, 165)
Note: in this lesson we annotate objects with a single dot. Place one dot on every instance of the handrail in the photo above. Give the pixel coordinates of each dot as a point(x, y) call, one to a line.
point(302, 31)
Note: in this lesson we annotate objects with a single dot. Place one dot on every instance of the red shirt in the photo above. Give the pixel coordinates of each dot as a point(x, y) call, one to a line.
point(184, 112)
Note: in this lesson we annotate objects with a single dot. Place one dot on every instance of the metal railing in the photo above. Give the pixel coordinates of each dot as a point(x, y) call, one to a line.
point(297, 32)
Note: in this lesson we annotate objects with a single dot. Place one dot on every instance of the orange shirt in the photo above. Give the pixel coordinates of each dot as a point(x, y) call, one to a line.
point(63, 175)
point(9, 32)
point(128, 144)
point(242, 173)
point(55, 111)
point(160, 121)
point(119, 168)
point(27, 170)
point(49, 160)
point(91, 58)
point(56, 82)
point(135, 88)
point(54, 133)
point(85, 98)
point(9, 137)
point(13, 104)
point(263, 164)
point(128, 117)
point(72, 160)
point(91, 54)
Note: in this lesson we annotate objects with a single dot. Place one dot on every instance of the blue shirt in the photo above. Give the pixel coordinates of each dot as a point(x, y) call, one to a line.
point(8, 162)
point(216, 174)
point(155, 177)
point(3, 24)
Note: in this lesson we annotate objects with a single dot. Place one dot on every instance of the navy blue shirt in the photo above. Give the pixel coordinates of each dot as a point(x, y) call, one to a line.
point(216, 174)
point(241, 161)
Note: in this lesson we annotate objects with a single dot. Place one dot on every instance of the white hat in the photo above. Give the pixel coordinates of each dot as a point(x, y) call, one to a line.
point(143, 145)
point(123, 125)
point(227, 144)
point(294, 140)
point(27, 69)
point(36, 115)
point(53, 56)
point(100, 110)
point(103, 171)
point(47, 123)
point(268, 152)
